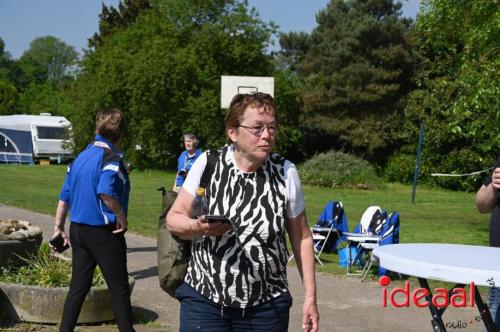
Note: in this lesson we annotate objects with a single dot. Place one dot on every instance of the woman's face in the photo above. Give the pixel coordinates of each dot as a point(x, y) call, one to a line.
point(253, 145)
point(189, 144)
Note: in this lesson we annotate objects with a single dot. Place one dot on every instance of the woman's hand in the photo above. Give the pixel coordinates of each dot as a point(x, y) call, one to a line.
point(310, 315)
point(201, 226)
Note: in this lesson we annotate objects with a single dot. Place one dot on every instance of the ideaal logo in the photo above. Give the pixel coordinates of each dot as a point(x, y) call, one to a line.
point(441, 297)
point(463, 324)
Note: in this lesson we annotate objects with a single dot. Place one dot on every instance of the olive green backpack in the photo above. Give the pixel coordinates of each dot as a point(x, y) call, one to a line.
point(173, 252)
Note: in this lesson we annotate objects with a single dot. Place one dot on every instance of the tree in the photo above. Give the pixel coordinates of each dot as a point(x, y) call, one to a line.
point(164, 72)
point(9, 72)
point(8, 98)
point(48, 60)
point(290, 139)
point(9, 69)
point(457, 88)
point(294, 47)
point(357, 70)
point(112, 20)
point(5, 62)
point(45, 98)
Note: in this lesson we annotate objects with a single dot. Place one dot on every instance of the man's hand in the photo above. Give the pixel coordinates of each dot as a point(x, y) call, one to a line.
point(121, 217)
point(487, 196)
point(61, 213)
point(58, 230)
point(495, 178)
point(121, 223)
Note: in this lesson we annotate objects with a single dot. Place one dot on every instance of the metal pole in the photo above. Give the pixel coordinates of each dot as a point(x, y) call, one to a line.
point(417, 163)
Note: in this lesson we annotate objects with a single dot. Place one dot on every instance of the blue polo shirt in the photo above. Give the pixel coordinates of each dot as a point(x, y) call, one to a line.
point(184, 162)
point(97, 170)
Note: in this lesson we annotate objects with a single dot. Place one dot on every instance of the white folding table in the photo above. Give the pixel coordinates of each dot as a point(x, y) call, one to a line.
point(357, 237)
point(365, 241)
point(461, 264)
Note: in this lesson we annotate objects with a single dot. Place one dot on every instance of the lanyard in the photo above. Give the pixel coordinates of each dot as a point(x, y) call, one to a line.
point(102, 145)
point(188, 160)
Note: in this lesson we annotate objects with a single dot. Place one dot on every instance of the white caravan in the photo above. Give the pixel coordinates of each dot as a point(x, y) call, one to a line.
point(28, 138)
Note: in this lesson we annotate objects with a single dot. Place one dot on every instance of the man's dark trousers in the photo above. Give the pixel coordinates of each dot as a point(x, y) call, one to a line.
point(98, 246)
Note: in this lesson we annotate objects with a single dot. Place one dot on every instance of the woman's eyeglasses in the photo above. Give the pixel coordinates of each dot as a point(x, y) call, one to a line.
point(258, 130)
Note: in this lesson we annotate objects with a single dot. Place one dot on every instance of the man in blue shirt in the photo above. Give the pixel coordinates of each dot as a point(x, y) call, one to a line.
point(96, 192)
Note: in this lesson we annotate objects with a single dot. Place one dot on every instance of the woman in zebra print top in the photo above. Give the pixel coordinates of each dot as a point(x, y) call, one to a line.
point(236, 279)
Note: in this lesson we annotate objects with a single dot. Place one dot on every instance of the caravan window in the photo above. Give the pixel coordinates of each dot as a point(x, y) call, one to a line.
point(6, 145)
point(50, 132)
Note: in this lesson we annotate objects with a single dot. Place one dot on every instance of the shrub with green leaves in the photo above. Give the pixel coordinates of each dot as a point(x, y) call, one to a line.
point(338, 169)
point(45, 270)
point(400, 168)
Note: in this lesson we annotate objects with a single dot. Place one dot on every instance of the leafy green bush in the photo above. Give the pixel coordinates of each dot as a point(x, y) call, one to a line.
point(400, 168)
point(45, 270)
point(337, 169)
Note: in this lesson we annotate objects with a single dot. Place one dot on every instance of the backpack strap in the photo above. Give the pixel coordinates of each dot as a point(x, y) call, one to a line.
point(212, 158)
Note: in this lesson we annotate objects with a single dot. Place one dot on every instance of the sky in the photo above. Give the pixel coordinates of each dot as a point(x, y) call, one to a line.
point(74, 21)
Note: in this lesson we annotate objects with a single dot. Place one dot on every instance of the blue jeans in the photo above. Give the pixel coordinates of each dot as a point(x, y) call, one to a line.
point(493, 304)
point(198, 313)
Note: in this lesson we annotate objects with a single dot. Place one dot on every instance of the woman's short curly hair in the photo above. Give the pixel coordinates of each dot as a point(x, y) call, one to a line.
point(241, 101)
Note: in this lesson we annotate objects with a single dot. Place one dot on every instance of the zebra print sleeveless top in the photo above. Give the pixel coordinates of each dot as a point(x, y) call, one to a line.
point(246, 266)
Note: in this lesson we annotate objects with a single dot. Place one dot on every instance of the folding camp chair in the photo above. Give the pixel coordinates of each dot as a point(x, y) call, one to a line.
point(329, 229)
point(327, 233)
point(389, 234)
point(365, 238)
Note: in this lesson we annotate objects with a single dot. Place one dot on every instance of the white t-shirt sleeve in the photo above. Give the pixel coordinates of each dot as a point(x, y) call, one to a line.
point(295, 193)
point(193, 178)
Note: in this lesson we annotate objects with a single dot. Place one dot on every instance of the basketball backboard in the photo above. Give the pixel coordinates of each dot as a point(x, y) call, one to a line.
point(232, 85)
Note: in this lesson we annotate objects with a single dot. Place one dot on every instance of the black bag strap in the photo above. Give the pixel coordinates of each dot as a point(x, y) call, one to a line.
point(212, 158)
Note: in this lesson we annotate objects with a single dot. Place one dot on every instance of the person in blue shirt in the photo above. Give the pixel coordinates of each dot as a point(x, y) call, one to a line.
point(96, 192)
point(186, 159)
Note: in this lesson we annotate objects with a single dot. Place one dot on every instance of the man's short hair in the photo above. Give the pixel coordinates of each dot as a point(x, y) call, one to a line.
point(109, 123)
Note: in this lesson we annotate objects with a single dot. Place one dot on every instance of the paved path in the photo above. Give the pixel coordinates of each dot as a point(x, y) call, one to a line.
point(345, 303)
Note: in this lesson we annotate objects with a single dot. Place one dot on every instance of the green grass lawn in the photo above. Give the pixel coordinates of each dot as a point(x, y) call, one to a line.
point(438, 215)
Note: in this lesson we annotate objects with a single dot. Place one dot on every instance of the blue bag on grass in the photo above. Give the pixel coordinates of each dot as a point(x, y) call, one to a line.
point(344, 256)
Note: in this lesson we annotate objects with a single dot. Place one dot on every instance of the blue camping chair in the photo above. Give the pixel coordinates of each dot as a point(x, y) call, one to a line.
point(389, 234)
point(372, 221)
point(329, 229)
point(365, 238)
